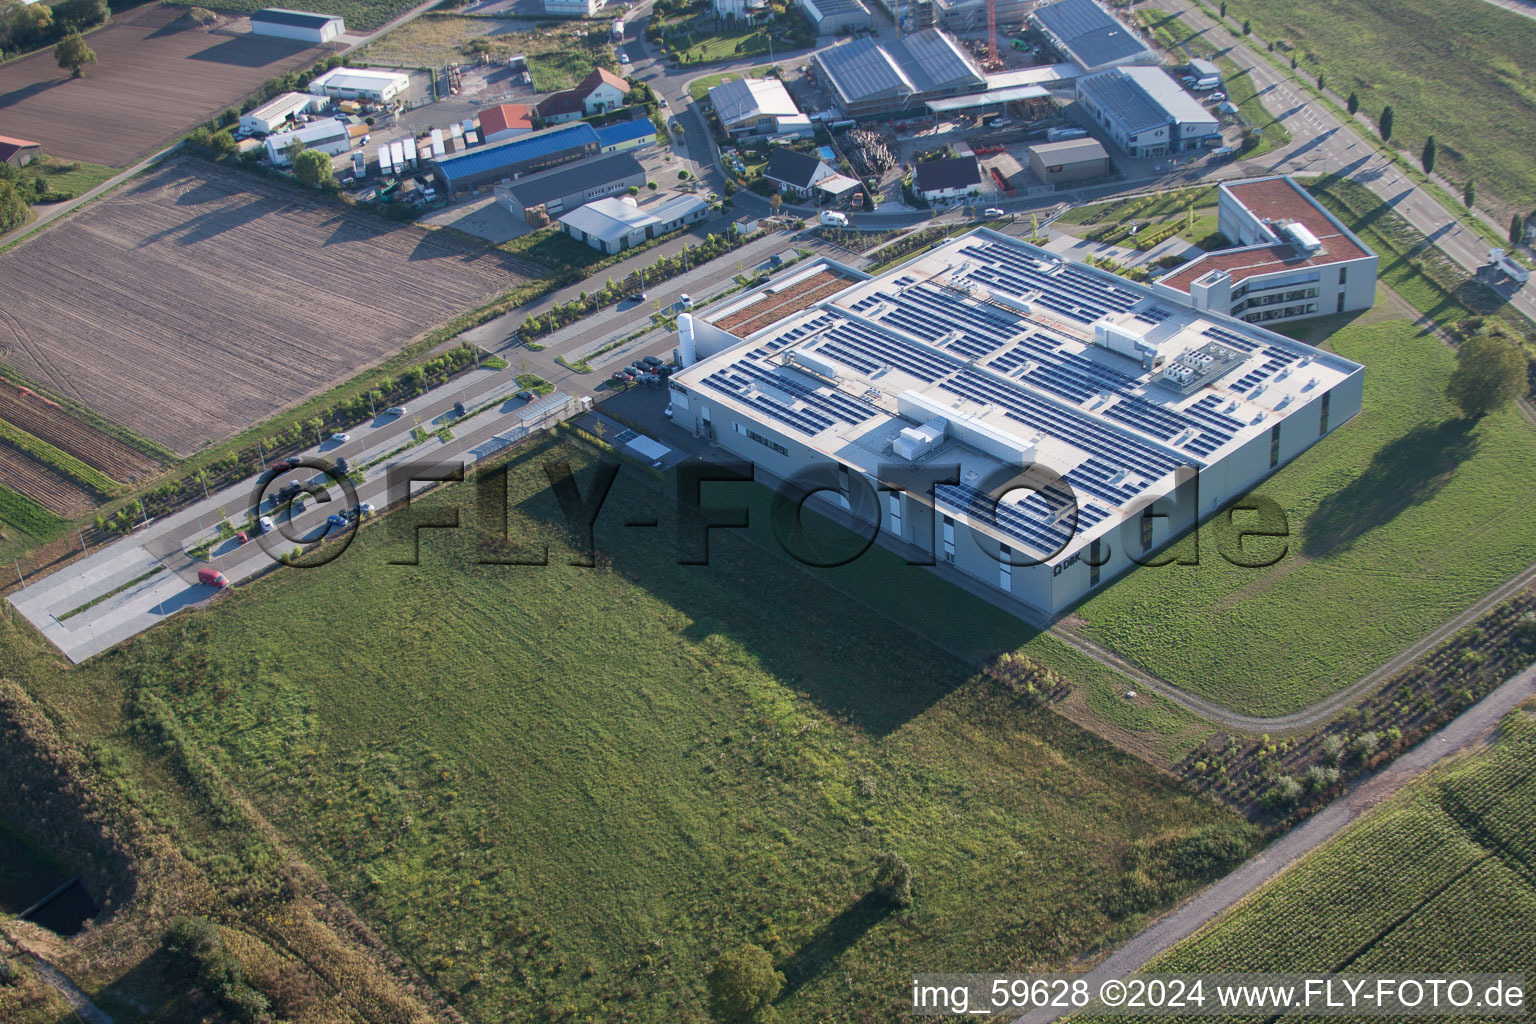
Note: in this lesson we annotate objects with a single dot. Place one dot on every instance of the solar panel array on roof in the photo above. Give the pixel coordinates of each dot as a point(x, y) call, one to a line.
point(864, 71)
point(1093, 37)
point(1140, 99)
point(932, 61)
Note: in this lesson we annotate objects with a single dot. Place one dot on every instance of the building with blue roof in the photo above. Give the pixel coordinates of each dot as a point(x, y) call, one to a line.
point(526, 154)
point(1090, 36)
point(623, 136)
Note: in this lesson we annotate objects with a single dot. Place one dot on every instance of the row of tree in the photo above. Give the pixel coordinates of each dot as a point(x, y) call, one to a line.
point(25, 27)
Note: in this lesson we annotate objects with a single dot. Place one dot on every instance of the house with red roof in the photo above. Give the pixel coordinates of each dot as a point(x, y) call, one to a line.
point(599, 92)
point(505, 121)
point(18, 152)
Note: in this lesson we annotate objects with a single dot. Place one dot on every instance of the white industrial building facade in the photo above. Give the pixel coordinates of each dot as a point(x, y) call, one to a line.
point(1291, 258)
point(1037, 425)
point(278, 111)
point(361, 84)
point(304, 25)
point(1145, 111)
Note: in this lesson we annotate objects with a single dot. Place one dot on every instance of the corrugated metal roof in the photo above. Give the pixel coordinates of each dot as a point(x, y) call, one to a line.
point(298, 19)
point(829, 8)
point(1070, 151)
point(1091, 35)
point(526, 147)
point(922, 62)
point(932, 60)
point(569, 179)
point(624, 131)
point(1140, 98)
point(751, 97)
point(862, 70)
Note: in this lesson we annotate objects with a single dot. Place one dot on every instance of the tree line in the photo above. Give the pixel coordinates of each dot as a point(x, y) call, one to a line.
point(26, 27)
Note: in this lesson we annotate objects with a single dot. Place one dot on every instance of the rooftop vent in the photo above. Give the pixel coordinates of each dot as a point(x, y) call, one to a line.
point(1300, 238)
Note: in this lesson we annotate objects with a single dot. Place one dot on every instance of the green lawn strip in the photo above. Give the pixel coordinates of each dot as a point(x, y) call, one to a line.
point(533, 382)
point(1398, 521)
point(1413, 882)
point(1475, 97)
point(1412, 267)
point(93, 602)
point(59, 459)
point(590, 790)
point(67, 179)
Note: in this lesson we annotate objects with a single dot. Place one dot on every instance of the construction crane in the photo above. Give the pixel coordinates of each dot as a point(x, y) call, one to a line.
point(992, 32)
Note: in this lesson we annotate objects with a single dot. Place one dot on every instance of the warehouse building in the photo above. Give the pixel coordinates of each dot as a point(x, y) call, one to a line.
point(538, 198)
point(526, 154)
point(1292, 259)
point(947, 178)
point(836, 17)
point(1089, 36)
point(613, 225)
point(277, 112)
point(361, 84)
point(1145, 112)
point(505, 121)
point(285, 24)
point(328, 135)
point(966, 16)
point(756, 107)
point(1070, 162)
point(572, 8)
point(625, 136)
point(19, 152)
point(1028, 425)
point(870, 78)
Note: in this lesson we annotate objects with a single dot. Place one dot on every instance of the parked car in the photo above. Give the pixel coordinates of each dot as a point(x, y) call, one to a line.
point(993, 211)
point(299, 505)
point(212, 577)
point(526, 395)
point(1216, 97)
point(775, 260)
point(264, 525)
point(620, 377)
point(365, 508)
point(686, 300)
point(342, 466)
point(458, 408)
point(241, 538)
point(336, 520)
point(395, 410)
point(652, 360)
point(623, 58)
point(292, 460)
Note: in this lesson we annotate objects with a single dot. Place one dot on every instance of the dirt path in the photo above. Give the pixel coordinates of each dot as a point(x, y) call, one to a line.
point(1470, 731)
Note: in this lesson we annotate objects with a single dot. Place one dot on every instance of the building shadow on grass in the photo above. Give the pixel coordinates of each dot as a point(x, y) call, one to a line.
point(834, 938)
point(1405, 473)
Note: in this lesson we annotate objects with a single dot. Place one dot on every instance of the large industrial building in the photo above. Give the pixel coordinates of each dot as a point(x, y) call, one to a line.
point(361, 84)
point(1089, 36)
point(526, 154)
point(1145, 111)
point(1037, 426)
point(615, 224)
point(869, 77)
point(277, 112)
point(754, 107)
point(572, 8)
point(539, 197)
point(302, 25)
point(836, 17)
point(1291, 258)
point(971, 15)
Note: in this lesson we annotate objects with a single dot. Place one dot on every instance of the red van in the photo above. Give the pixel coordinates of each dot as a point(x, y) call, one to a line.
point(212, 577)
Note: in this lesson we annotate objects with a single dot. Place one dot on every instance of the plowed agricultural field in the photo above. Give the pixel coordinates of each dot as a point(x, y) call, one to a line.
point(42, 483)
point(42, 418)
point(153, 80)
point(197, 301)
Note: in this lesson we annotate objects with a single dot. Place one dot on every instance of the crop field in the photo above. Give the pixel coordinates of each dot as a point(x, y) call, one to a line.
point(47, 421)
point(1440, 879)
point(579, 785)
point(152, 81)
point(1403, 517)
point(1474, 90)
point(35, 479)
point(198, 300)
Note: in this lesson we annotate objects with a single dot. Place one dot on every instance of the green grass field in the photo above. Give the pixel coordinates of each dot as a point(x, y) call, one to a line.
point(1439, 880)
point(1399, 520)
point(1474, 90)
point(70, 177)
point(561, 790)
point(24, 523)
point(699, 87)
point(556, 59)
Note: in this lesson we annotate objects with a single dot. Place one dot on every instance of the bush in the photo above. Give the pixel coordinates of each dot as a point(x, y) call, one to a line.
point(1285, 792)
point(742, 983)
point(1333, 749)
point(1364, 745)
point(893, 879)
point(216, 971)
